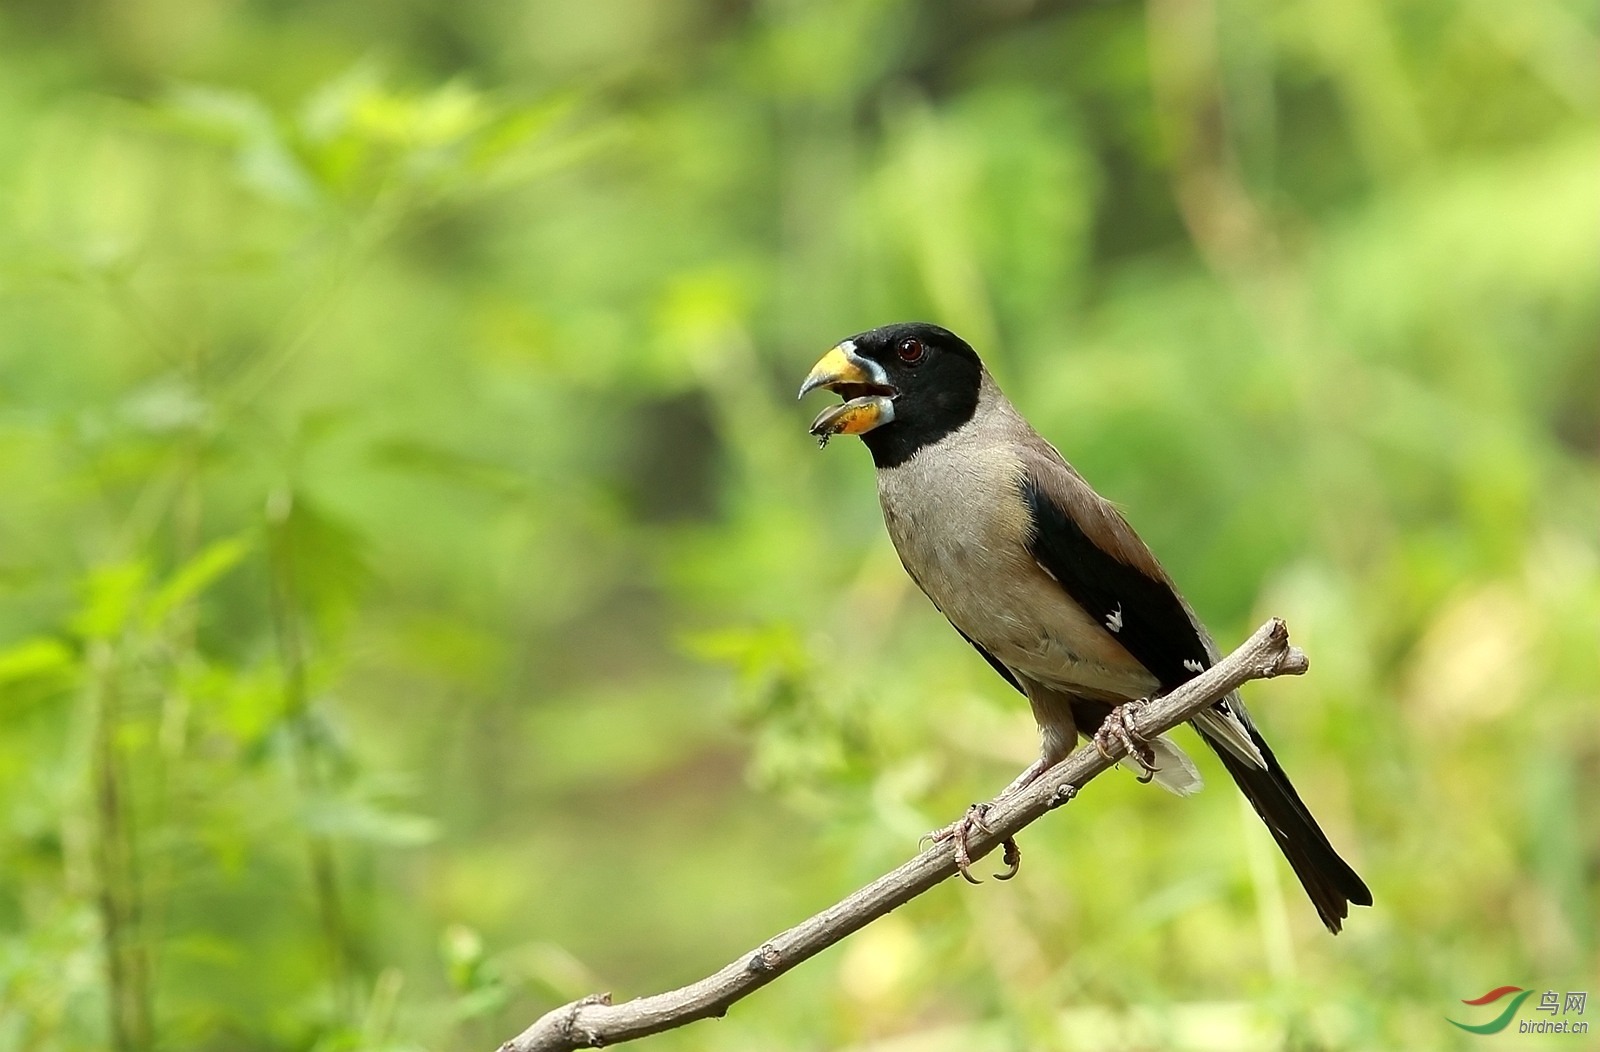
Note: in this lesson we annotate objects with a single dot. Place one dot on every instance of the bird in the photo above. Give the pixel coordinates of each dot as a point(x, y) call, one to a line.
point(1046, 579)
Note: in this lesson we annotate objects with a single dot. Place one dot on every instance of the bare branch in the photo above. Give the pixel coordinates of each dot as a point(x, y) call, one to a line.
point(594, 1021)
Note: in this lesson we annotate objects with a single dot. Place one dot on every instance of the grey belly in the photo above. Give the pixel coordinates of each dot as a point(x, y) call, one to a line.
point(1022, 616)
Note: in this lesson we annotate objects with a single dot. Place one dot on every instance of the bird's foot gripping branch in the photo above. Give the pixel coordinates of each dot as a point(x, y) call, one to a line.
point(1120, 727)
point(594, 1021)
point(960, 832)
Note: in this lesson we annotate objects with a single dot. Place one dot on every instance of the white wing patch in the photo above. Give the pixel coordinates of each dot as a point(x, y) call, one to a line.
point(1192, 665)
point(1114, 619)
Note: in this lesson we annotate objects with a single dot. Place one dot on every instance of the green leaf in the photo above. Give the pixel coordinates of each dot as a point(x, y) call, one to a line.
point(365, 820)
point(195, 577)
point(264, 161)
point(35, 658)
point(112, 594)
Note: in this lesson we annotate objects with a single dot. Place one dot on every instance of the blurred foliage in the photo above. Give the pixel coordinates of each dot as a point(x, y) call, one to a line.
point(422, 603)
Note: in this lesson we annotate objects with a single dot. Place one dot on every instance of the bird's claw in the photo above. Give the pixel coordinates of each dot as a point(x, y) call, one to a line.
point(957, 834)
point(1118, 729)
point(1012, 857)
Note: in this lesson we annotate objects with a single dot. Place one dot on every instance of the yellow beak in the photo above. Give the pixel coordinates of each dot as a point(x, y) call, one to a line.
point(841, 365)
point(862, 381)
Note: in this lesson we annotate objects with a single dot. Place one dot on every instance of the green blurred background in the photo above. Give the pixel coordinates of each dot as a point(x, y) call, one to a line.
point(421, 603)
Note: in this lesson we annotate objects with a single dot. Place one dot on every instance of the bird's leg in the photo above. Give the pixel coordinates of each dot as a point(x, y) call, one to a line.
point(1118, 728)
point(1029, 775)
point(962, 828)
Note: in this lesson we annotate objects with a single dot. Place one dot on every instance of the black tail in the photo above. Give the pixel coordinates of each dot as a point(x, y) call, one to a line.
point(1327, 878)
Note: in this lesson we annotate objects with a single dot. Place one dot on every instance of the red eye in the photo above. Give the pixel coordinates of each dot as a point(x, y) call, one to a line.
point(910, 351)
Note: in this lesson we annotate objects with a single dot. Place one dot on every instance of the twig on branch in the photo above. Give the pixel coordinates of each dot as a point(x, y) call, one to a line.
point(594, 1021)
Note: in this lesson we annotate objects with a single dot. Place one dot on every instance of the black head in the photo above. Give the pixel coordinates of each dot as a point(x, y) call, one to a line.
point(908, 384)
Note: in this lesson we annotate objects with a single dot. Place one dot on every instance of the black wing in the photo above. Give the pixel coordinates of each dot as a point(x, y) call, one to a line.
point(1142, 612)
point(1139, 607)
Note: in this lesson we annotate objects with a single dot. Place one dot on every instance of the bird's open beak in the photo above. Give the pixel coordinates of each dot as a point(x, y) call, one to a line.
point(869, 397)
